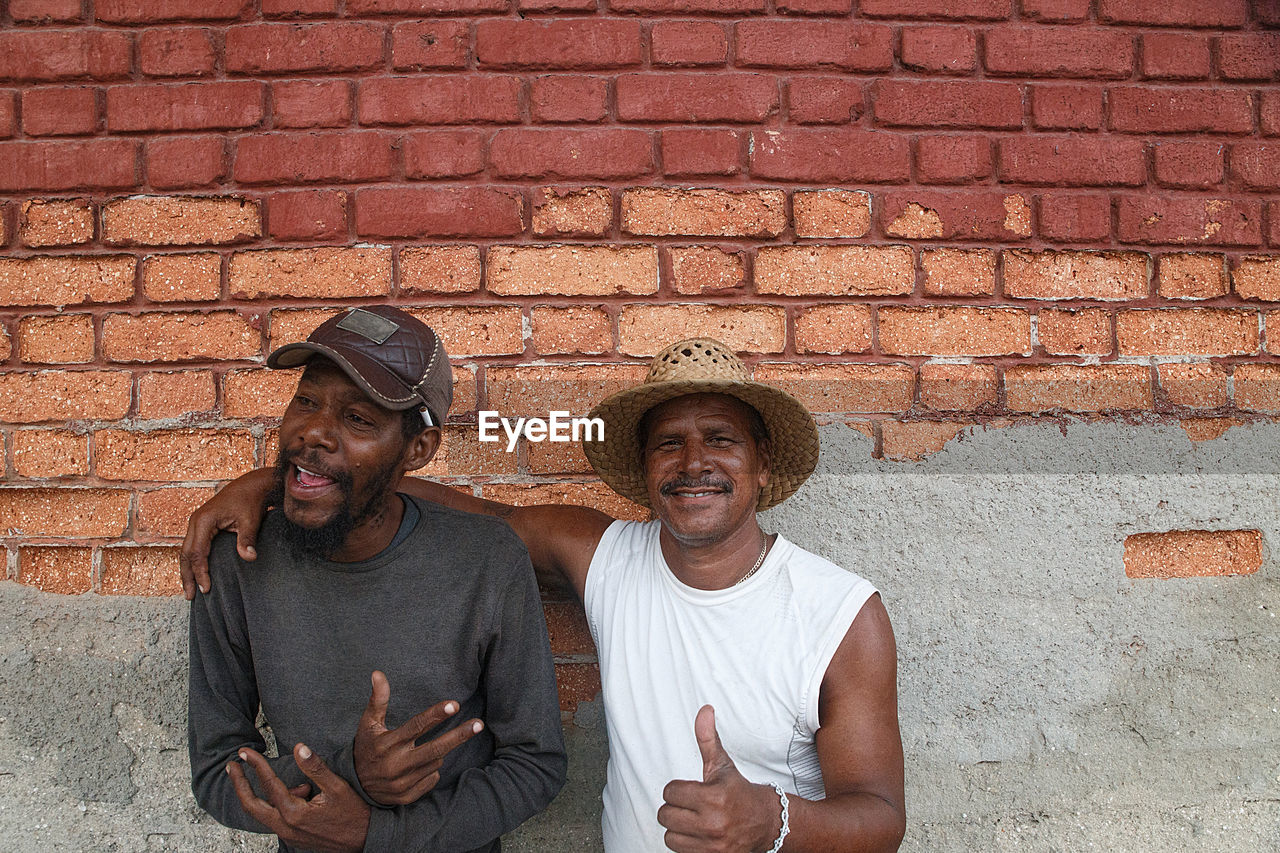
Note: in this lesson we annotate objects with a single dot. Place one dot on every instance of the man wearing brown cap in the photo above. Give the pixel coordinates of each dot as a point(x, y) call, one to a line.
point(749, 686)
point(355, 584)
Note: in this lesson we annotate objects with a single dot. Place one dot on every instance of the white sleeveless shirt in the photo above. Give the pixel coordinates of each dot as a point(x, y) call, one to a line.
point(757, 651)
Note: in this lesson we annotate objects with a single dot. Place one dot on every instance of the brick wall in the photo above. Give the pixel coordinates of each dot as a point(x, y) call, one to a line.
point(917, 216)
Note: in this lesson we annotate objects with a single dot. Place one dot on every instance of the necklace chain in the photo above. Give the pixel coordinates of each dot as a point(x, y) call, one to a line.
point(759, 562)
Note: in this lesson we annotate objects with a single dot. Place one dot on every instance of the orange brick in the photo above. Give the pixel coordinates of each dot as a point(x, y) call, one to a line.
point(914, 440)
point(834, 329)
point(171, 221)
point(1075, 275)
point(1257, 387)
point(647, 329)
point(1258, 277)
point(957, 387)
point(959, 272)
point(1272, 321)
point(64, 339)
point(856, 388)
point(465, 392)
point(164, 512)
point(478, 330)
point(64, 395)
point(1192, 276)
point(87, 513)
point(56, 222)
point(1078, 387)
point(173, 455)
point(577, 683)
point(182, 278)
point(572, 270)
point(556, 457)
point(1207, 429)
point(586, 212)
point(1192, 553)
point(835, 270)
point(50, 453)
point(289, 327)
point(63, 570)
point(698, 269)
point(144, 570)
point(704, 212)
point(330, 272)
point(954, 331)
point(464, 454)
point(66, 281)
point(258, 392)
point(595, 495)
point(538, 389)
point(187, 336)
point(916, 222)
point(1187, 331)
point(174, 394)
point(1082, 331)
point(1200, 386)
point(440, 269)
point(567, 628)
point(831, 213)
point(6, 347)
point(571, 330)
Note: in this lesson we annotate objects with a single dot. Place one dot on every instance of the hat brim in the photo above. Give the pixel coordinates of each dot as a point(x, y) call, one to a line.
point(365, 372)
point(793, 434)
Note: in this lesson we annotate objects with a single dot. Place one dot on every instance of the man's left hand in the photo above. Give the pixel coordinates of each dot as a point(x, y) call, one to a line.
point(724, 813)
point(335, 820)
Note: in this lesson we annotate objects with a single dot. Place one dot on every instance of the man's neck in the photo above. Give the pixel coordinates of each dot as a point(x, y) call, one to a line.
point(716, 564)
point(372, 536)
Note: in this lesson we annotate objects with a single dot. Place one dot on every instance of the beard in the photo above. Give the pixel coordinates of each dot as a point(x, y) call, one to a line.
point(326, 539)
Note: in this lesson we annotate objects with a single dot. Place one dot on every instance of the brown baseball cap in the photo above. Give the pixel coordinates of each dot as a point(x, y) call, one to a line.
point(393, 356)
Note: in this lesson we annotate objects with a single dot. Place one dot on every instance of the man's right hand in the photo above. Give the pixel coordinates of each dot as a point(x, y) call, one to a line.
point(393, 770)
point(238, 507)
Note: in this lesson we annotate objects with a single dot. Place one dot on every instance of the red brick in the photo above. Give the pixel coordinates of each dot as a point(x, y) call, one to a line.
point(701, 152)
point(685, 7)
point(62, 339)
point(1058, 52)
point(424, 7)
point(164, 512)
point(1257, 277)
point(290, 327)
point(846, 46)
point(343, 157)
point(571, 154)
point(577, 683)
point(824, 100)
point(438, 212)
point(175, 394)
point(959, 272)
point(1075, 275)
point(55, 166)
point(564, 98)
point(169, 221)
point(1201, 221)
point(558, 44)
point(585, 212)
point(64, 55)
point(930, 214)
point(1075, 217)
point(154, 11)
point(443, 153)
point(545, 457)
point(64, 395)
point(173, 454)
point(439, 269)
point(8, 114)
point(644, 330)
point(421, 45)
point(815, 7)
point(952, 331)
point(1189, 165)
point(1078, 387)
point(1257, 387)
point(1201, 386)
point(831, 213)
point(182, 278)
point(298, 8)
point(1073, 161)
point(311, 103)
point(982, 9)
point(439, 100)
point(40, 453)
point(833, 329)
point(688, 97)
point(703, 212)
point(61, 570)
point(857, 388)
point(1062, 107)
point(223, 105)
point(215, 336)
point(1192, 553)
point(1141, 109)
point(66, 280)
point(837, 156)
point(953, 159)
point(285, 48)
point(46, 11)
point(149, 570)
point(580, 329)
point(1256, 164)
point(1187, 331)
point(1193, 276)
point(59, 111)
point(56, 222)
point(1175, 13)
point(567, 628)
point(307, 215)
point(1255, 56)
point(182, 162)
point(1175, 56)
point(79, 513)
point(557, 6)
point(957, 387)
point(941, 49)
point(476, 330)
point(328, 272)
point(699, 269)
point(688, 43)
point(537, 389)
point(572, 270)
point(834, 270)
point(176, 52)
point(950, 103)
point(257, 392)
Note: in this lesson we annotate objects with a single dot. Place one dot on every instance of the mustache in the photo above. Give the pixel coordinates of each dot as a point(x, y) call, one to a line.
point(683, 481)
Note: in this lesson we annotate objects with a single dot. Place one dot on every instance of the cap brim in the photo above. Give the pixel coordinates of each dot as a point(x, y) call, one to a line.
point(382, 386)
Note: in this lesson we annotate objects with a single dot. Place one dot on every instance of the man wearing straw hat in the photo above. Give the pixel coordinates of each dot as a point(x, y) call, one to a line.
point(749, 686)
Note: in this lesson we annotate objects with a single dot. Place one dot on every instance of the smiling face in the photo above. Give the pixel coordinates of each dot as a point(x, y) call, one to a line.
point(705, 461)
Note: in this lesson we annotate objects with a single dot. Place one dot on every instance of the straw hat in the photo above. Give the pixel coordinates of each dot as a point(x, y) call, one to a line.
point(703, 366)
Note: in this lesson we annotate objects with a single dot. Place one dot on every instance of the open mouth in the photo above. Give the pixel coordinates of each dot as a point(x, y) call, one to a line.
point(305, 482)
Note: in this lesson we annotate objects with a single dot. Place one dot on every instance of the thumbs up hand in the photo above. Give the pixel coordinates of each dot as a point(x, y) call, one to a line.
point(724, 813)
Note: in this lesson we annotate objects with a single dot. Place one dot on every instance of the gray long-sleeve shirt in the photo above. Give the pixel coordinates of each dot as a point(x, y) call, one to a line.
point(450, 612)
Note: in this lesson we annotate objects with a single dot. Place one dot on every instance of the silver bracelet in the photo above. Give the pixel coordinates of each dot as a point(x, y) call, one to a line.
point(786, 818)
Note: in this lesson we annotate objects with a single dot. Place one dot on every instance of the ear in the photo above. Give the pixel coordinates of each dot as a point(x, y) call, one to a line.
point(422, 448)
point(764, 457)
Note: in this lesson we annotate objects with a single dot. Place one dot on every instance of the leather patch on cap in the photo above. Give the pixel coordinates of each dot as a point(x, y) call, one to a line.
point(368, 325)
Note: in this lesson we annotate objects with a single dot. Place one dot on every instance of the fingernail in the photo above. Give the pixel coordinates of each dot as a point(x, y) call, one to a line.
point(477, 726)
point(243, 757)
point(451, 708)
point(303, 751)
